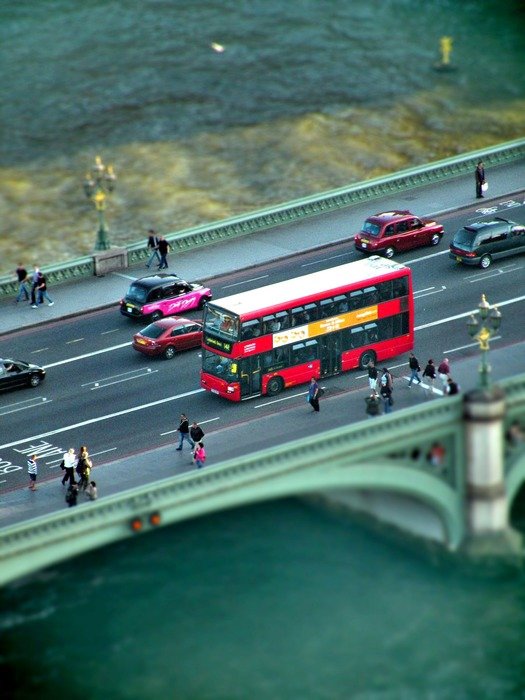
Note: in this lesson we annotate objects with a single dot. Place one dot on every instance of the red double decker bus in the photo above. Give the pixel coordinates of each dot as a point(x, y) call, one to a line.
point(278, 336)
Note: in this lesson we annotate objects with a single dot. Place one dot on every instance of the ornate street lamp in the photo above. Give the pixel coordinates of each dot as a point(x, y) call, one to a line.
point(97, 185)
point(482, 329)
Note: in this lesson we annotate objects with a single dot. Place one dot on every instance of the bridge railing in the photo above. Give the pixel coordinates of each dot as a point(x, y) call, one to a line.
point(290, 212)
point(403, 439)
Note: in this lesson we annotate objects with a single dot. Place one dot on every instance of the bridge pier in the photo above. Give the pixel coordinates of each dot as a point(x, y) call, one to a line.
point(490, 538)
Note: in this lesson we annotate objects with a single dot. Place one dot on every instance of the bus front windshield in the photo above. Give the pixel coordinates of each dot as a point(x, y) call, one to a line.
point(220, 323)
point(220, 366)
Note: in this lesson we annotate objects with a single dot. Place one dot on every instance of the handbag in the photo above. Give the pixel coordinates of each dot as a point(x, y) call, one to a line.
point(484, 186)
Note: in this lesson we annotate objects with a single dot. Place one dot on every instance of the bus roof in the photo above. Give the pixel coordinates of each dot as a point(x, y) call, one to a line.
point(327, 281)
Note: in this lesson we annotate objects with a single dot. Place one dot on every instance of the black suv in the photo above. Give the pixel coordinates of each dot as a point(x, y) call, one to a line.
point(485, 241)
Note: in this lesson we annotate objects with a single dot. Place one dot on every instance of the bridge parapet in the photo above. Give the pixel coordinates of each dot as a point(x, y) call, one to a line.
point(370, 454)
point(293, 211)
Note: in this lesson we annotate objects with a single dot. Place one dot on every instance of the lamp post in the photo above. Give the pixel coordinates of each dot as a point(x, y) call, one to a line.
point(97, 185)
point(482, 329)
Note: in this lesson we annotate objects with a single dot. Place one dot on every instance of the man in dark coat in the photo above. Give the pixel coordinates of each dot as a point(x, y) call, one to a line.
point(480, 179)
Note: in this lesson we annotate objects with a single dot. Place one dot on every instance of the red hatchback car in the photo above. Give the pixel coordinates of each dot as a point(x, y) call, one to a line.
point(391, 232)
point(167, 336)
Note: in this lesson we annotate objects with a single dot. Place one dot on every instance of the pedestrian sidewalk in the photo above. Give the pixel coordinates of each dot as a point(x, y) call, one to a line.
point(85, 294)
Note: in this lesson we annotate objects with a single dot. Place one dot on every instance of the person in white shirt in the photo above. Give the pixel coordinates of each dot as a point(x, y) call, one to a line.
point(70, 461)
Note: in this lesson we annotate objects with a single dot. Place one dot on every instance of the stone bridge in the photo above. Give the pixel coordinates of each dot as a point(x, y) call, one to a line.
point(462, 460)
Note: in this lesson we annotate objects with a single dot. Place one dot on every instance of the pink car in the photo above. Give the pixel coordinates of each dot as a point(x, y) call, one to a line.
point(161, 295)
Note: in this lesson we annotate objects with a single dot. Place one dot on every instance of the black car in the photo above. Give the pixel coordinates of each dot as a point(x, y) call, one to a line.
point(482, 242)
point(15, 373)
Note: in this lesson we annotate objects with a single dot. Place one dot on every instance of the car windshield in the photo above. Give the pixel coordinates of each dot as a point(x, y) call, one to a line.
point(371, 229)
point(137, 293)
point(152, 331)
point(464, 237)
point(219, 366)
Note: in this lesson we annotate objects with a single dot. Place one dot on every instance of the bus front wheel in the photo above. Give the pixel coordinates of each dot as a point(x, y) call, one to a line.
point(367, 357)
point(274, 386)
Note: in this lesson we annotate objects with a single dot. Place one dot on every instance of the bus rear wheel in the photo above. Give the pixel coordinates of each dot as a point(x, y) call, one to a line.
point(274, 386)
point(367, 357)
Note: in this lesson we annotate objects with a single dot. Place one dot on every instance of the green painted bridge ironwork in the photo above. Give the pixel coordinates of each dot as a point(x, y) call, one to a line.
point(294, 211)
point(389, 457)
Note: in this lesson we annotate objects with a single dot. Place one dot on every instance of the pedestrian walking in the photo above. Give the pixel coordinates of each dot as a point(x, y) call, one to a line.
point(373, 405)
point(69, 461)
point(386, 379)
point(34, 285)
point(430, 373)
point(84, 466)
point(22, 279)
point(42, 290)
point(199, 455)
point(196, 432)
point(153, 246)
point(415, 369)
point(313, 395)
point(480, 179)
point(72, 495)
point(452, 387)
point(32, 470)
point(164, 247)
point(386, 395)
point(444, 371)
point(372, 376)
point(91, 491)
point(184, 432)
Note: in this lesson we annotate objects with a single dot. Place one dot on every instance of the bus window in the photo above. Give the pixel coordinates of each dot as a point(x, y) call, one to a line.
point(370, 296)
point(284, 319)
point(400, 287)
point(298, 316)
point(385, 290)
point(298, 354)
point(327, 308)
point(311, 350)
point(371, 333)
point(311, 312)
point(271, 324)
point(356, 299)
point(250, 329)
point(341, 303)
point(357, 337)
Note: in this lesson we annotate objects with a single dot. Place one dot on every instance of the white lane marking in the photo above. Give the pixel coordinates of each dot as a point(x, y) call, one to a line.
point(440, 392)
point(113, 330)
point(470, 345)
point(420, 294)
point(285, 398)
point(24, 405)
point(464, 315)
point(76, 340)
point(88, 354)
point(482, 276)
point(201, 422)
point(123, 377)
point(332, 257)
point(236, 284)
point(35, 352)
point(426, 257)
point(100, 419)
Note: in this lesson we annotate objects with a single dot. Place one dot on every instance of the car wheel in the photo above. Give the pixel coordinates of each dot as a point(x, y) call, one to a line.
point(34, 380)
point(155, 316)
point(367, 357)
point(274, 386)
point(435, 239)
point(169, 353)
point(203, 301)
point(389, 252)
point(485, 262)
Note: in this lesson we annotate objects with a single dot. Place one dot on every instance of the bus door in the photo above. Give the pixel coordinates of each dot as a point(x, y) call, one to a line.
point(330, 353)
point(250, 375)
